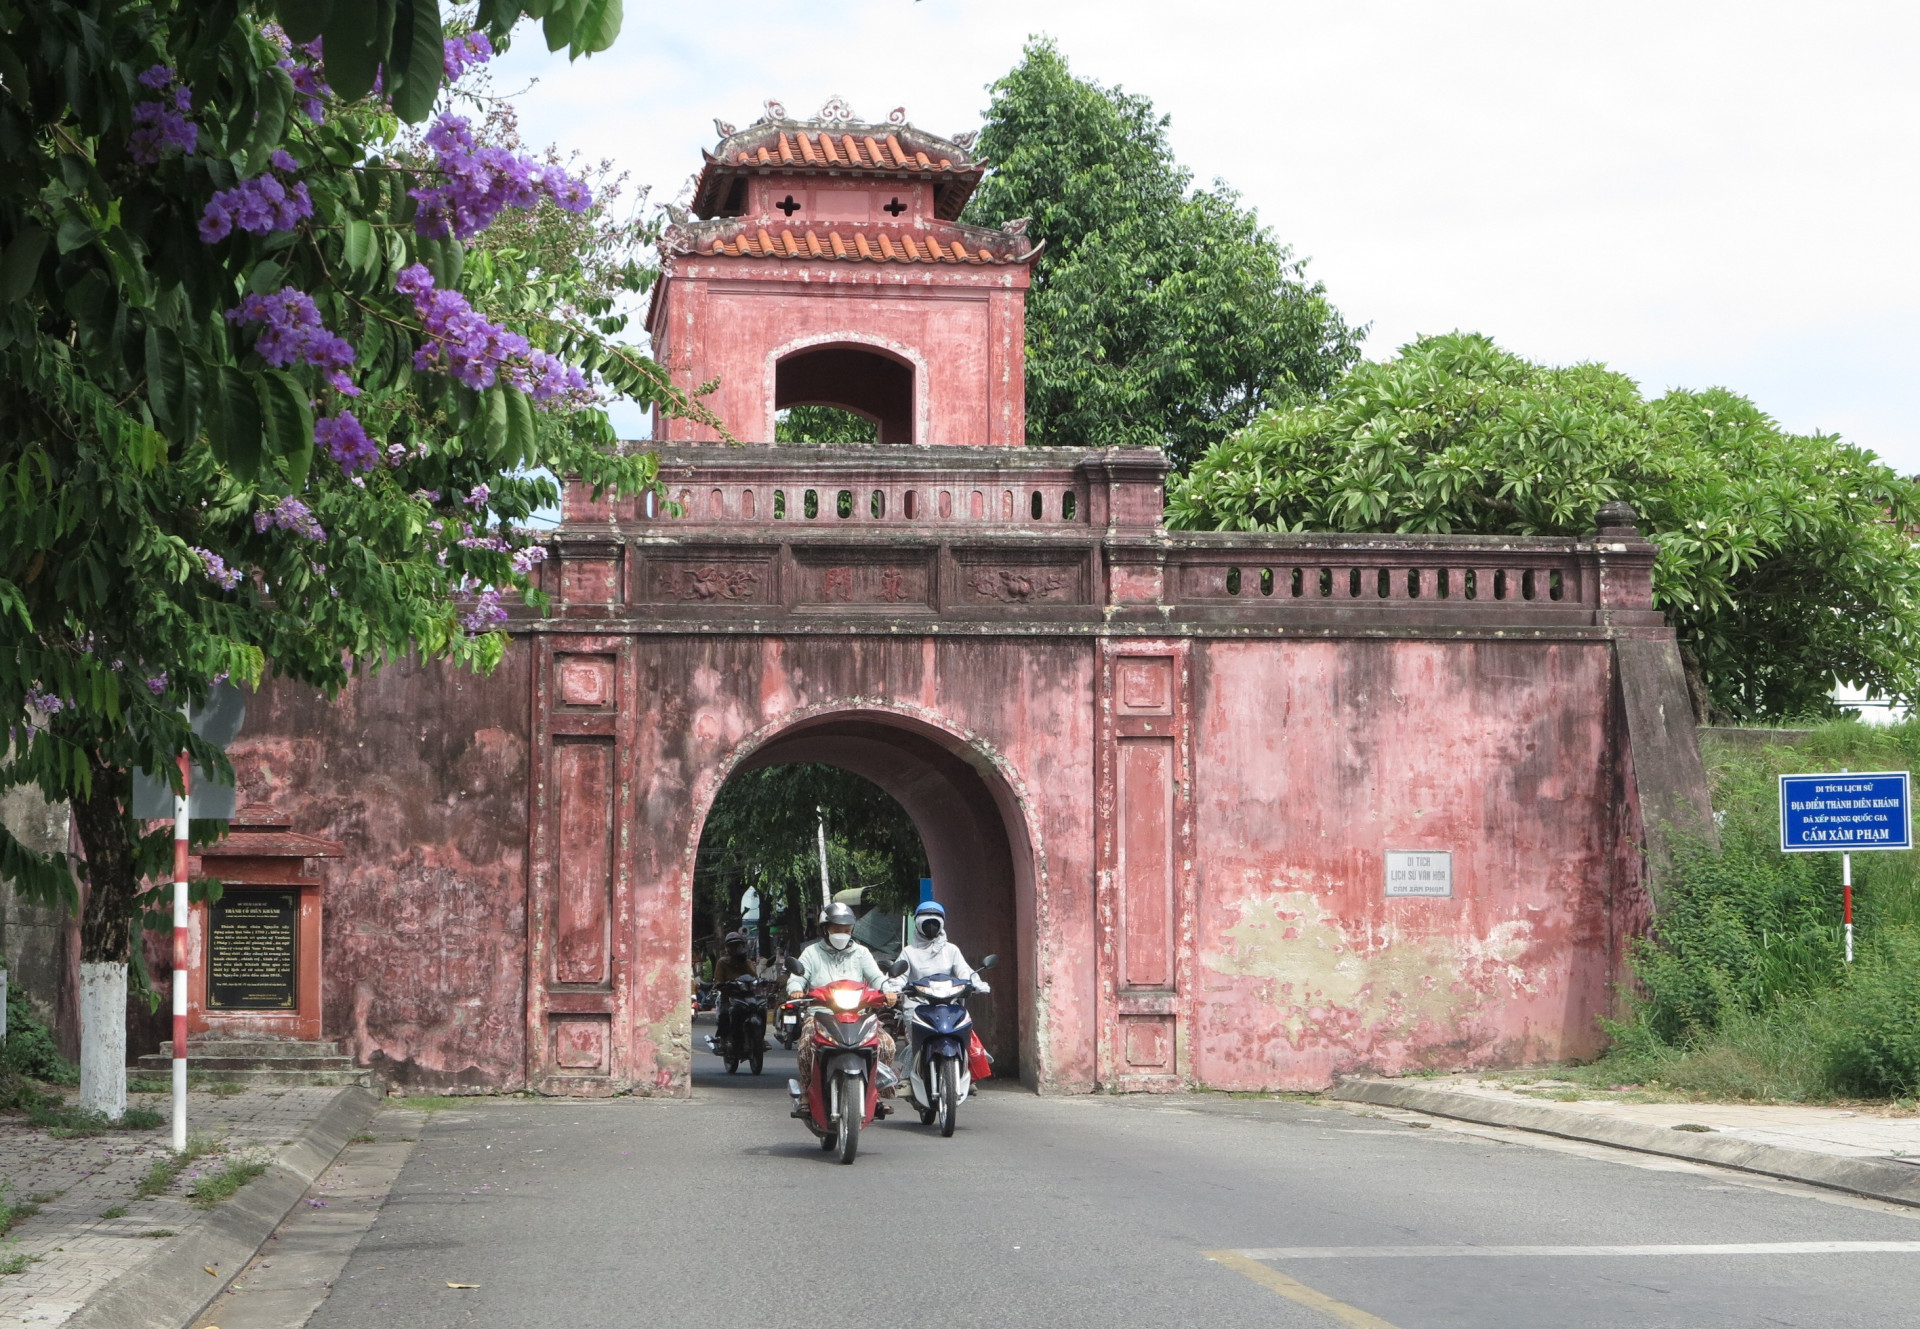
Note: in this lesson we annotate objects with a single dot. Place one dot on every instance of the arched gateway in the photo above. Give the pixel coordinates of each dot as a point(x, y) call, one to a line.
point(1242, 811)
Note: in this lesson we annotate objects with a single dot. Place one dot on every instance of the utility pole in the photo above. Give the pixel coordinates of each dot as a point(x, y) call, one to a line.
point(826, 886)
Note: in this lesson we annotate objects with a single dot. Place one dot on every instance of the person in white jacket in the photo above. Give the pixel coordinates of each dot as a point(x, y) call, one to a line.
point(930, 951)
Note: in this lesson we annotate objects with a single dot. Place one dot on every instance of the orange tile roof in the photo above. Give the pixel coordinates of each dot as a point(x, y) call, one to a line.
point(863, 151)
point(838, 147)
point(856, 244)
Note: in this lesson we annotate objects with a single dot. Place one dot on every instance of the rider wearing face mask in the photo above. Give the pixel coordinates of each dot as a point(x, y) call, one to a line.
point(930, 952)
point(733, 963)
point(834, 957)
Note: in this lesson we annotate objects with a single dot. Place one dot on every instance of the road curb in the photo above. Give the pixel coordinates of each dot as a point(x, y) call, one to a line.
point(1897, 1183)
point(171, 1287)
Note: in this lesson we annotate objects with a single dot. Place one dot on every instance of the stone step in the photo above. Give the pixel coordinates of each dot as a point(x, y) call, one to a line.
point(159, 1063)
point(286, 1078)
point(255, 1047)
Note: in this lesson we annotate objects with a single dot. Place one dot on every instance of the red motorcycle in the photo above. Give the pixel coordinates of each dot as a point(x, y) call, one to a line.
point(844, 1092)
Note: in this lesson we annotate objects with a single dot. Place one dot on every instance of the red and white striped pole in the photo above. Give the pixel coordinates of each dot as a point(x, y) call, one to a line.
point(180, 956)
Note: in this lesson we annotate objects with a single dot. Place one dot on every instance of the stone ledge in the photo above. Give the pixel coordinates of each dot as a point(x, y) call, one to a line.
point(171, 1287)
point(1896, 1183)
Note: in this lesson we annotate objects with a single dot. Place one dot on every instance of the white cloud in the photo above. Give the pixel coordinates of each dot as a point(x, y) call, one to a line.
point(1695, 193)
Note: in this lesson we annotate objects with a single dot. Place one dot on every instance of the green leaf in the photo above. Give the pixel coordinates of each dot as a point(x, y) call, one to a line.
point(303, 20)
point(21, 263)
point(493, 420)
point(357, 247)
point(270, 123)
point(166, 375)
point(520, 435)
point(358, 34)
point(234, 424)
point(284, 412)
point(599, 24)
point(418, 58)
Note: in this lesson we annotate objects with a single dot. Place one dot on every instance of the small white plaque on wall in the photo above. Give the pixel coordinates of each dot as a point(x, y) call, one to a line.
point(1422, 872)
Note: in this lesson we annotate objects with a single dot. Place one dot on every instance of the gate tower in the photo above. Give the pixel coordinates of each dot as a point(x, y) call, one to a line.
point(825, 264)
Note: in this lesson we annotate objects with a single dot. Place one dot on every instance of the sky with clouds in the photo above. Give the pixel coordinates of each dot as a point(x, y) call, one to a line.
point(1693, 193)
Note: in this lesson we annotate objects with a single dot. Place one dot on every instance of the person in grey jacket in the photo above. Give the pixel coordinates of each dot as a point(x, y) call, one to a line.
point(834, 957)
point(930, 951)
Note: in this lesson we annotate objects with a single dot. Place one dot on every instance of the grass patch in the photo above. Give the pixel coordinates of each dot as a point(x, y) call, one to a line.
point(431, 1102)
point(224, 1184)
point(1742, 989)
point(16, 1263)
point(14, 1212)
point(160, 1232)
point(118, 1211)
point(163, 1172)
point(361, 1138)
point(143, 1084)
point(69, 1123)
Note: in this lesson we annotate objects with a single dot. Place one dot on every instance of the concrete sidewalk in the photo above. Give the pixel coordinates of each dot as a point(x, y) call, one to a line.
point(1871, 1152)
point(96, 1254)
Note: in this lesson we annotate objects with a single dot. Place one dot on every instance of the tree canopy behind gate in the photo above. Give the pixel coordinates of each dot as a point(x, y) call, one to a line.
point(1160, 315)
point(272, 399)
point(1786, 561)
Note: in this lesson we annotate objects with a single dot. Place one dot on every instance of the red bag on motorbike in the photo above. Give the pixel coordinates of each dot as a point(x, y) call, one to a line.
point(979, 1060)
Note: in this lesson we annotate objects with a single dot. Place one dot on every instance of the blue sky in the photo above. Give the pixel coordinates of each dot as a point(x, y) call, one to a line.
point(1694, 193)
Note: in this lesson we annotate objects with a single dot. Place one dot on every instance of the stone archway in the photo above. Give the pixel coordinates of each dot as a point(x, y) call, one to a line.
point(870, 382)
point(973, 829)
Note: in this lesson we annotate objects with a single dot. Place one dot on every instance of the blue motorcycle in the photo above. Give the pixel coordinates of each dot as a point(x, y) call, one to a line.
point(939, 1031)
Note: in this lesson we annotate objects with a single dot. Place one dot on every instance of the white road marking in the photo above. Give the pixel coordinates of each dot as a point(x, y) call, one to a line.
point(1455, 1252)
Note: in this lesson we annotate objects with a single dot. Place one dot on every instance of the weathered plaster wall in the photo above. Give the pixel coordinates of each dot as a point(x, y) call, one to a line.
point(1316, 757)
point(39, 945)
point(1015, 730)
point(421, 772)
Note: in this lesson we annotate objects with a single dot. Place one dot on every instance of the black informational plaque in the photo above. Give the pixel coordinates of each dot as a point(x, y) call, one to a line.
point(253, 951)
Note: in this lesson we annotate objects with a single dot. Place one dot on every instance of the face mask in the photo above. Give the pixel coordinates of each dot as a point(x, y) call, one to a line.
point(839, 940)
point(930, 928)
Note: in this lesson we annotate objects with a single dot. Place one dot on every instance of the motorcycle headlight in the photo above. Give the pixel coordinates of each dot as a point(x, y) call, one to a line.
point(846, 999)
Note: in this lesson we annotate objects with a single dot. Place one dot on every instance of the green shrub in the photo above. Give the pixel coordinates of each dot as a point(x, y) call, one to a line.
point(1741, 986)
point(29, 1049)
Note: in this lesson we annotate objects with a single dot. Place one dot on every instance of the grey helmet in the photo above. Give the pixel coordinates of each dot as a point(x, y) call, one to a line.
point(837, 916)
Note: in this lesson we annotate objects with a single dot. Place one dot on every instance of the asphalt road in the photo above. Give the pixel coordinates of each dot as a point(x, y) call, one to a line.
point(1077, 1212)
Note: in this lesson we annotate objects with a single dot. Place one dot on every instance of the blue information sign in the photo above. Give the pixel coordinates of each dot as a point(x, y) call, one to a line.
point(1845, 812)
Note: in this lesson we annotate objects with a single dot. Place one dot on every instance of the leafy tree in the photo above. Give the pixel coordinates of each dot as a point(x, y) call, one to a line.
point(250, 420)
point(823, 424)
point(1786, 561)
point(1159, 315)
point(762, 831)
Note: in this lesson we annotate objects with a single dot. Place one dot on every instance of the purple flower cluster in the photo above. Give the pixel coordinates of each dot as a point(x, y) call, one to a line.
point(466, 345)
point(346, 441)
point(460, 342)
point(260, 205)
point(479, 182)
point(464, 53)
point(478, 496)
point(550, 377)
point(486, 612)
point(294, 333)
point(45, 702)
point(290, 514)
point(307, 83)
point(526, 559)
point(158, 683)
point(493, 544)
point(161, 122)
point(218, 572)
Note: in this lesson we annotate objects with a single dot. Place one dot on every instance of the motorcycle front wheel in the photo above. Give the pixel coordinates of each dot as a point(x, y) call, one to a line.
point(947, 1097)
point(758, 1056)
point(853, 1107)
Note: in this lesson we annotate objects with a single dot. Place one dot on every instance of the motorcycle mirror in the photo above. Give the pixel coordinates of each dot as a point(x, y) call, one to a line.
point(988, 963)
point(898, 967)
point(795, 968)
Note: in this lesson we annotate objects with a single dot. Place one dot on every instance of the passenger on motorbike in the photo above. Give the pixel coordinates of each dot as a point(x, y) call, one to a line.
point(834, 957)
point(929, 951)
point(733, 963)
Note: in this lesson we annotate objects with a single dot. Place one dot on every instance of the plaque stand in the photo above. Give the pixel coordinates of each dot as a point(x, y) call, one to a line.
point(254, 956)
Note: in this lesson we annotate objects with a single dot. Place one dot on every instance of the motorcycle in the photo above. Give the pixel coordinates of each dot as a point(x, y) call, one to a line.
point(743, 1013)
point(843, 1094)
point(939, 1039)
point(787, 1023)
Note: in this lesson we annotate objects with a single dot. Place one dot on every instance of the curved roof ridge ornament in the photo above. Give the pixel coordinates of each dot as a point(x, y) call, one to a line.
point(966, 140)
point(774, 111)
point(835, 112)
point(897, 116)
